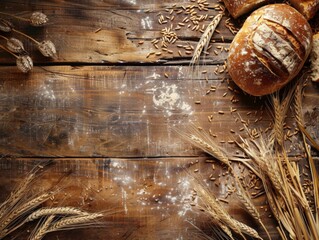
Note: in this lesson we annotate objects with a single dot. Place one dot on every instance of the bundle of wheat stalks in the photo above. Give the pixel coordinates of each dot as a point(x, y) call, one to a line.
point(24, 206)
point(295, 211)
point(15, 47)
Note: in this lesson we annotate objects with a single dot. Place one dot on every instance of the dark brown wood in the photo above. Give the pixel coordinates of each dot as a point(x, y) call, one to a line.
point(108, 32)
point(120, 111)
point(107, 111)
point(153, 196)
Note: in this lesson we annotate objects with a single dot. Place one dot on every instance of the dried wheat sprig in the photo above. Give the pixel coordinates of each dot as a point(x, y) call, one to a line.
point(247, 230)
point(36, 19)
point(298, 208)
point(42, 212)
point(249, 205)
point(205, 38)
point(280, 108)
point(5, 25)
point(310, 139)
point(298, 105)
point(74, 222)
point(46, 47)
point(16, 195)
point(54, 211)
point(14, 45)
point(227, 231)
point(24, 62)
point(215, 210)
point(19, 193)
point(204, 142)
point(42, 228)
point(29, 205)
point(263, 157)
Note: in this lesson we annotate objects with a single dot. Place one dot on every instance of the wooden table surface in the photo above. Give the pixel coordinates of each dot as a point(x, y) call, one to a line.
point(105, 108)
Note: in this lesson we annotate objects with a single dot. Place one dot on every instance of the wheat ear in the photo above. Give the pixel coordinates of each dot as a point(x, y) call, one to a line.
point(215, 210)
point(74, 222)
point(204, 142)
point(42, 229)
point(204, 40)
point(280, 108)
point(46, 212)
point(16, 195)
point(247, 230)
point(25, 208)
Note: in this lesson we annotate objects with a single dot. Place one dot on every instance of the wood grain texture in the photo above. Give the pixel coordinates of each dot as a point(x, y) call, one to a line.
point(109, 32)
point(105, 111)
point(120, 111)
point(153, 197)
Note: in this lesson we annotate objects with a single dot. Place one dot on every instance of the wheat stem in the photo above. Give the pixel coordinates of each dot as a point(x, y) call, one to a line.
point(48, 211)
point(74, 221)
point(14, 16)
point(7, 50)
point(42, 230)
point(27, 36)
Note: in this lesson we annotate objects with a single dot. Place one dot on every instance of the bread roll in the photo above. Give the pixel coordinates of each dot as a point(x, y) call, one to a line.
point(314, 59)
point(270, 49)
point(307, 7)
point(239, 7)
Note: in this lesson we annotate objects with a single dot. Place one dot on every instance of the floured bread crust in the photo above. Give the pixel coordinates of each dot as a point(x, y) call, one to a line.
point(239, 7)
point(270, 49)
point(307, 7)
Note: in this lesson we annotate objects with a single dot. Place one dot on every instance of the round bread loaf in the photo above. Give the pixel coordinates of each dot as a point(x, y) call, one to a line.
point(270, 49)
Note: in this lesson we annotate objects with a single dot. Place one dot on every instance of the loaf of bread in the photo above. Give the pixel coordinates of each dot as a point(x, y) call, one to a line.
point(314, 59)
point(240, 7)
point(270, 49)
point(307, 7)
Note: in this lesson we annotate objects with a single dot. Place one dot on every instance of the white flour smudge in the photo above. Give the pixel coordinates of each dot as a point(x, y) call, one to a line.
point(168, 98)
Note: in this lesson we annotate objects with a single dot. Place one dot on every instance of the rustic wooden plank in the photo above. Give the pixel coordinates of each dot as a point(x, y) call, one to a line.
point(121, 111)
point(154, 196)
point(108, 31)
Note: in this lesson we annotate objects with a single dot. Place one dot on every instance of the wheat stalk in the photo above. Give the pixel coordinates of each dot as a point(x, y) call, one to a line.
point(74, 222)
point(247, 230)
point(24, 208)
point(215, 210)
point(205, 38)
point(46, 212)
point(280, 108)
point(42, 229)
point(16, 195)
point(300, 122)
point(204, 142)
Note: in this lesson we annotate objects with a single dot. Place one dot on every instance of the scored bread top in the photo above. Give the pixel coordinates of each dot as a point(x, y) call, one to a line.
point(270, 49)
